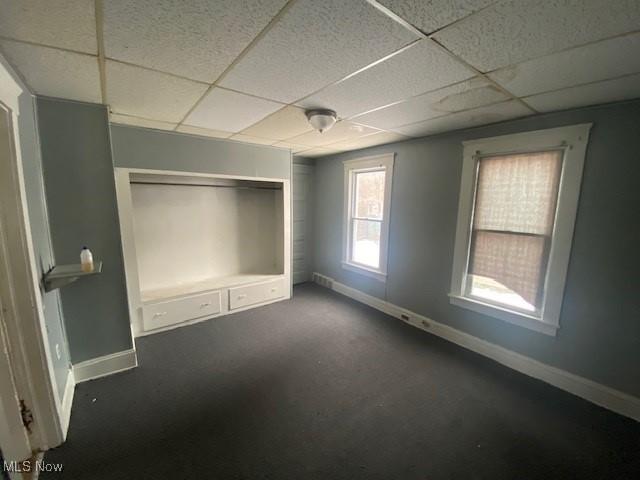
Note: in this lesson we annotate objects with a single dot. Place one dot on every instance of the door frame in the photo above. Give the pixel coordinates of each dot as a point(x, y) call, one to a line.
point(14, 438)
point(29, 359)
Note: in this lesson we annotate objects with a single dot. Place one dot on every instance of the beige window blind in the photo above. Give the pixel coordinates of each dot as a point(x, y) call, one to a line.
point(514, 213)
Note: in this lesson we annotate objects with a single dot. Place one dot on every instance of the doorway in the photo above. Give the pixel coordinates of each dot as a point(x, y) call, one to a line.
point(30, 412)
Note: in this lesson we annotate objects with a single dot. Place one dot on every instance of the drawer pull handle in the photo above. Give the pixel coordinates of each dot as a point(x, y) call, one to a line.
point(159, 314)
point(202, 305)
point(241, 297)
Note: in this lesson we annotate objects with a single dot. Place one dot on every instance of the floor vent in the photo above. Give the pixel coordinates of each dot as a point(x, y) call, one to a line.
point(322, 280)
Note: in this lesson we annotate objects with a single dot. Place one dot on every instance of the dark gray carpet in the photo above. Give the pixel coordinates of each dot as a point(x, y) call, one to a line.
point(321, 387)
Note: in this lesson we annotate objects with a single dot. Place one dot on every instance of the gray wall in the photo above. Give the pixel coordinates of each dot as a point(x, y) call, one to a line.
point(80, 190)
point(154, 149)
point(38, 222)
point(599, 336)
point(76, 144)
point(297, 159)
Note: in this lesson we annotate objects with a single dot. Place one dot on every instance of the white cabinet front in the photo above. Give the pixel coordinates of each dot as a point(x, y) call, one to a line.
point(262, 292)
point(179, 310)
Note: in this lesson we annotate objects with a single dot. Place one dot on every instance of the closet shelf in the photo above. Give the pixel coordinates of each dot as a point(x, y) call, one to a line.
point(62, 275)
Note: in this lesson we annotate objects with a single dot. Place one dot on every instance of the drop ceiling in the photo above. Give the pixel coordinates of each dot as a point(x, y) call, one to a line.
point(393, 69)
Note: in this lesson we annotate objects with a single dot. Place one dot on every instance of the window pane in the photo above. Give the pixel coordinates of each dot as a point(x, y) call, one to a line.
point(506, 268)
point(513, 221)
point(365, 248)
point(517, 193)
point(369, 194)
point(488, 289)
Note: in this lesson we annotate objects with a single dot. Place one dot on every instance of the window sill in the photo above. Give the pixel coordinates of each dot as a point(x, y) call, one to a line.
point(511, 316)
point(367, 272)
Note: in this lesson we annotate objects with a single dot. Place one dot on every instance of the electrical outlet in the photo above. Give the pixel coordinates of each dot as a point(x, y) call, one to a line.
point(58, 354)
point(404, 317)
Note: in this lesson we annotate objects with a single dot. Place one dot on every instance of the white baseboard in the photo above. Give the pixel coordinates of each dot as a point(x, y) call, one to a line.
point(606, 397)
point(67, 402)
point(103, 366)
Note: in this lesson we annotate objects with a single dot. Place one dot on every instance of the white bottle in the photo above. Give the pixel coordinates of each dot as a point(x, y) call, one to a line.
point(86, 260)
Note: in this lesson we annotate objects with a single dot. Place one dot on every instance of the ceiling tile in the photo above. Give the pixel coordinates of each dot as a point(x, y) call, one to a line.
point(624, 88)
point(197, 39)
point(285, 123)
point(512, 31)
point(313, 44)
point(319, 152)
point(597, 61)
point(70, 24)
point(341, 131)
point(230, 111)
point(206, 132)
point(429, 16)
point(294, 147)
point(140, 122)
point(56, 73)
point(145, 93)
point(250, 139)
point(462, 96)
point(379, 138)
point(422, 67)
point(469, 118)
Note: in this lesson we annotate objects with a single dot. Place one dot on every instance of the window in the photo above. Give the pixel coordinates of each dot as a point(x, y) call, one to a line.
point(513, 218)
point(518, 200)
point(366, 214)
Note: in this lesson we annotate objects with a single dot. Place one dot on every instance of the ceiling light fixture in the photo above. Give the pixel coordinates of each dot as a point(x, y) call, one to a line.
point(321, 119)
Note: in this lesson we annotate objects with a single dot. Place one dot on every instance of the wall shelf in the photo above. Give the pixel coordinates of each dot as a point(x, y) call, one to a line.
point(62, 275)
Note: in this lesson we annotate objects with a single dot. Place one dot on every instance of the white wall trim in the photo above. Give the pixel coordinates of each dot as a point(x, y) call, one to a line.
point(601, 395)
point(572, 141)
point(67, 403)
point(495, 311)
point(31, 357)
point(106, 365)
point(351, 168)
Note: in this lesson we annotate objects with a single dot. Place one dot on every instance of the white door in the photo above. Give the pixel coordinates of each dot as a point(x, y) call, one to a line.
point(302, 222)
point(26, 365)
point(14, 440)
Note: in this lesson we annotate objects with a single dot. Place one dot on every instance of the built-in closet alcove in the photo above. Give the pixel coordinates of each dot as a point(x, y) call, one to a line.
point(198, 246)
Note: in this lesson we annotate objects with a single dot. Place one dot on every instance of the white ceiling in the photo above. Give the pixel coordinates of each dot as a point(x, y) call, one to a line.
point(392, 69)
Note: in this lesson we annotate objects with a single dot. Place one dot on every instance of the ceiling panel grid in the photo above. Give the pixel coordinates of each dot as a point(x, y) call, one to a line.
point(392, 69)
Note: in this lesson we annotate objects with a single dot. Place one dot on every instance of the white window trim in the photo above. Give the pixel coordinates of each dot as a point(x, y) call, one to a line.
point(350, 166)
point(573, 140)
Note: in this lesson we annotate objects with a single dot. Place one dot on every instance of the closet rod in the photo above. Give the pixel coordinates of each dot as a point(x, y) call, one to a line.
point(205, 185)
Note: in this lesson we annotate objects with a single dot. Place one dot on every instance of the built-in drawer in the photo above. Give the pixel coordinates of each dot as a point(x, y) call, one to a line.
point(251, 294)
point(177, 310)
